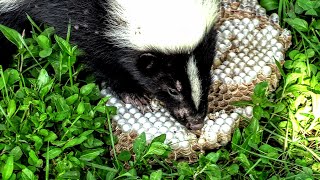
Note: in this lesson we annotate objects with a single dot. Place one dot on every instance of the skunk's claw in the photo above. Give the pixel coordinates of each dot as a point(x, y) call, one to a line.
point(142, 103)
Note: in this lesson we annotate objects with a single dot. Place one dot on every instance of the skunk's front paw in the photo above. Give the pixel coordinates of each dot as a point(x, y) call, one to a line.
point(140, 102)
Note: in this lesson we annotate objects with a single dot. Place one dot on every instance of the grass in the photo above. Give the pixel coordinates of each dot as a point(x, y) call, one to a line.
point(53, 121)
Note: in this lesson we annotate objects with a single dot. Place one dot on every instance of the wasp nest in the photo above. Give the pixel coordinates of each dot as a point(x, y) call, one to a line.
point(248, 44)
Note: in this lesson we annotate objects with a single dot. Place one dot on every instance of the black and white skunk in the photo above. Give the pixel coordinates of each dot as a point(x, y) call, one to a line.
point(143, 49)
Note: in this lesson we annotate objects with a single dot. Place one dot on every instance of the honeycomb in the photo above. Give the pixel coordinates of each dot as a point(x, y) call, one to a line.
point(248, 44)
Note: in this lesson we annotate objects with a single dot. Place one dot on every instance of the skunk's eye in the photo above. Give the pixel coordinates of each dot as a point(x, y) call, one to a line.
point(172, 92)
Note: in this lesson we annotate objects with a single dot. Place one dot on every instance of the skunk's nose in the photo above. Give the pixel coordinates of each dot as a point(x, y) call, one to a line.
point(195, 122)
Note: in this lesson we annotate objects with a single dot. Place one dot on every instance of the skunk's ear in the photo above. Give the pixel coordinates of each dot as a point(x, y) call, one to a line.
point(148, 63)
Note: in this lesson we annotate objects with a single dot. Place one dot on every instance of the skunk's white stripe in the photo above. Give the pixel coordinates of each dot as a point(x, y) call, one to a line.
point(193, 75)
point(8, 5)
point(166, 25)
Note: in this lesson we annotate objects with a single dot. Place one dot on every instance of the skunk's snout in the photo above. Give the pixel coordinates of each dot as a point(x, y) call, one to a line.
point(195, 126)
point(189, 119)
point(195, 122)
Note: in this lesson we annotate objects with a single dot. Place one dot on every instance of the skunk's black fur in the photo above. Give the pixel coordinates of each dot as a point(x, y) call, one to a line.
point(134, 75)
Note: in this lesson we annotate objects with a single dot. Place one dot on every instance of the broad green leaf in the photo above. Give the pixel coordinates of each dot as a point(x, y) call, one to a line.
point(300, 57)
point(111, 175)
point(307, 170)
point(316, 25)
point(157, 148)
point(156, 175)
point(43, 117)
point(51, 137)
point(90, 176)
point(316, 167)
point(279, 107)
point(37, 142)
point(8, 168)
point(298, 9)
point(80, 108)
point(46, 89)
point(312, 12)
point(45, 52)
point(63, 44)
point(71, 175)
point(60, 104)
point(291, 78)
point(297, 88)
point(43, 132)
point(43, 42)
point(72, 99)
point(257, 112)
point(213, 171)
point(233, 169)
point(139, 145)
point(34, 160)
point(310, 53)
point(27, 174)
point(124, 156)
point(260, 89)
point(314, 82)
point(93, 143)
point(16, 153)
point(101, 108)
point(12, 107)
point(53, 153)
point(86, 133)
point(252, 141)
point(185, 169)
point(305, 4)
point(269, 5)
point(160, 138)
point(60, 68)
point(12, 35)
point(298, 24)
point(43, 78)
point(3, 127)
point(313, 69)
point(293, 53)
point(236, 139)
point(253, 127)
point(213, 157)
point(87, 89)
point(74, 142)
point(75, 160)
point(244, 160)
point(48, 31)
point(268, 148)
point(13, 76)
point(288, 64)
point(89, 155)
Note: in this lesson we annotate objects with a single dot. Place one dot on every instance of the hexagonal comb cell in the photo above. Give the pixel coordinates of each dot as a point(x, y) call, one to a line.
point(248, 44)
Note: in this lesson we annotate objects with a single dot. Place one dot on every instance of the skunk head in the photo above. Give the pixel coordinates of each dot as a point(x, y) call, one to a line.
point(180, 80)
point(174, 44)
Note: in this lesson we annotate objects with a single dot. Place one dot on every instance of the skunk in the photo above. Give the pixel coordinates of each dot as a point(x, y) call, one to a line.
point(142, 49)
